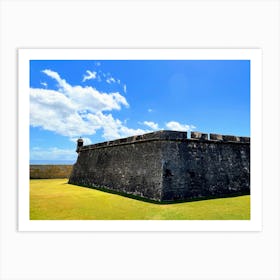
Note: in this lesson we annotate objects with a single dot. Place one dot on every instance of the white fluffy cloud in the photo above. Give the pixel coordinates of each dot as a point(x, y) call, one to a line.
point(90, 75)
point(75, 111)
point(152, 125)
point(44, 84)
point(111, 80)
point(114, 128)
point(88, 98)
point(100, 76)
point(172, 125)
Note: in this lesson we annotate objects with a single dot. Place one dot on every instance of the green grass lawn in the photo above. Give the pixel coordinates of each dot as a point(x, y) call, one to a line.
point(54, 199)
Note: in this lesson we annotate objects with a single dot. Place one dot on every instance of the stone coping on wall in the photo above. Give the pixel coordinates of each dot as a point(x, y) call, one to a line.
point(169, 135)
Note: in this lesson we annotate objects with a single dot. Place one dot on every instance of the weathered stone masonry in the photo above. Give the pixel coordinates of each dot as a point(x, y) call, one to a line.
point(49, 171)
point(166, 165)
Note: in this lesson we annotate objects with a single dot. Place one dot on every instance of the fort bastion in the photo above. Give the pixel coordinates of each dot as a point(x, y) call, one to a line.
point(166, 165)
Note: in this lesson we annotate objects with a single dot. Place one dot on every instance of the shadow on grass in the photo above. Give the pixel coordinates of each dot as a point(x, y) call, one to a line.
point(143, 199)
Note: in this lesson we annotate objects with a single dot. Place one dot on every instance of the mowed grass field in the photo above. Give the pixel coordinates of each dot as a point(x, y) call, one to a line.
point(54, 199)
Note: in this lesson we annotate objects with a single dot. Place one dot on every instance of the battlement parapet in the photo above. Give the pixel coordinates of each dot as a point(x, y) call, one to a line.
point(168, 135)
point(153, 136)
point(245, 139)
point(219, 137)
point(199, 135)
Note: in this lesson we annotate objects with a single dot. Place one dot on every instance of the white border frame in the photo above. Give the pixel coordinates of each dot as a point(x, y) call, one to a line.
point(254, 55)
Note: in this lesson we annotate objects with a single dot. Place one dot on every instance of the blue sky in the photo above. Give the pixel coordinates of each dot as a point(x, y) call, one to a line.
point(109, 99)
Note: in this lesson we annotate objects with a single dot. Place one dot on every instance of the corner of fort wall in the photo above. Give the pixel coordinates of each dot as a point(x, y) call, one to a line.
point(167, 165)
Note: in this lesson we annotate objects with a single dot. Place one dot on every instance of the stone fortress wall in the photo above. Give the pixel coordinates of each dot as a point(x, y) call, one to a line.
point(49, 171)
point(167, 166)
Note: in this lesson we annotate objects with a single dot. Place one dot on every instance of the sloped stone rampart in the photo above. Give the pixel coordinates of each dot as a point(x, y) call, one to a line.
point(167, 166)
